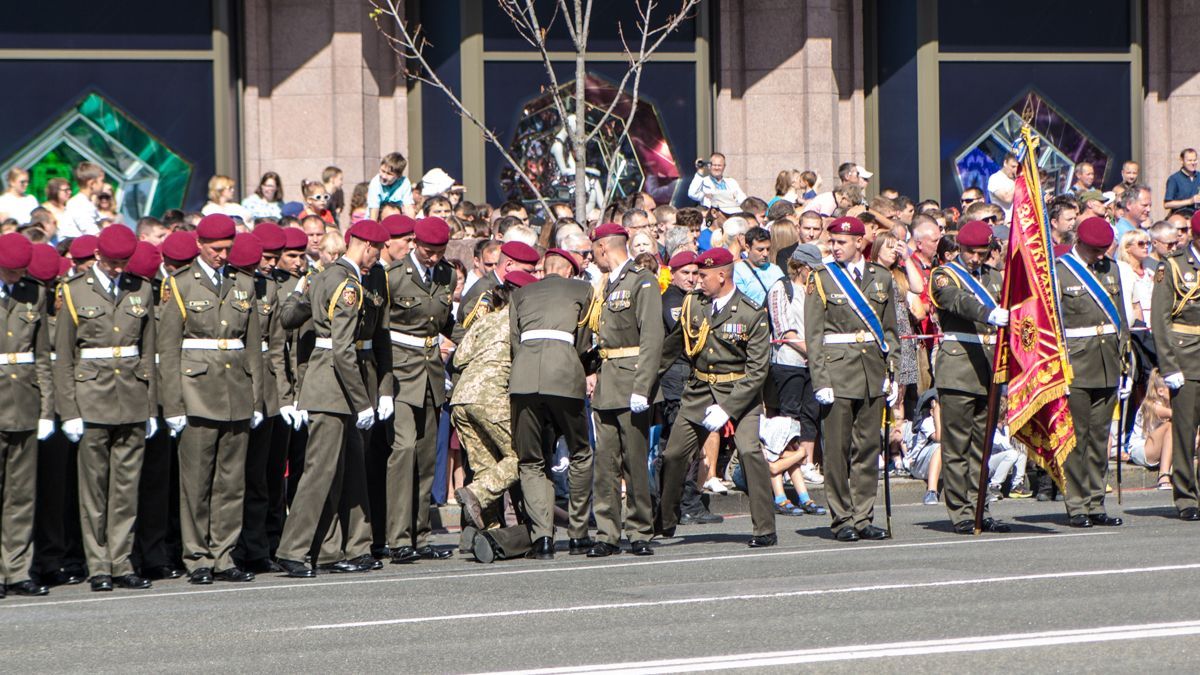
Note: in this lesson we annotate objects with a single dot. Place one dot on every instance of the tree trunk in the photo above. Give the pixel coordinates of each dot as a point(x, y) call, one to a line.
point(579, 135)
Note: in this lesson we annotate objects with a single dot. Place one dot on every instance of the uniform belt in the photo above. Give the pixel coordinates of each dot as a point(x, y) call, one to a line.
point(415, 340)
point(327, 343)
point(548, 334)
point(54, 356)
point(1089, 331)
point(221, 344)
point(108, 352)
point(13, 358)
point(972, 338)
point(848, 338)
point(1185, 329)
point(265, 347)
point(714, 378)
point(619, 352)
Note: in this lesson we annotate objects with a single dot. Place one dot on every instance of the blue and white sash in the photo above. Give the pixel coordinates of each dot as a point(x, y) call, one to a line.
point(1094, 288)
point(858, 302)
point(973, 285)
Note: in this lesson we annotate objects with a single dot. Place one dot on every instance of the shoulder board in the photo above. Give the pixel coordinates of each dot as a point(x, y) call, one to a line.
point(73, 277)
point(877, 267)
point(180, 270)
point(746, 300)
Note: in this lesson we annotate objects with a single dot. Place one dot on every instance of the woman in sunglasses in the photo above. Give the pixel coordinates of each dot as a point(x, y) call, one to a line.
point(222, 198)
point(316, 200)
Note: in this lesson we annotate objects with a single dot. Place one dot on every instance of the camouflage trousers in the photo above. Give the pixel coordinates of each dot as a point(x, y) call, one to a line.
point(487, 439)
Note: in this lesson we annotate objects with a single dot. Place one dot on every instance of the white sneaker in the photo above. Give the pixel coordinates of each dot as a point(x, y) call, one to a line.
point(715, 486)
point(811, 475)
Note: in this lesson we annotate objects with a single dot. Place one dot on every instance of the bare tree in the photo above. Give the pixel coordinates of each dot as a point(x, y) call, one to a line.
point(408, 41)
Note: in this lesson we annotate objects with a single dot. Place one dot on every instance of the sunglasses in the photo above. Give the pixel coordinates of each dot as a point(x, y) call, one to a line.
point(970, 200)
point(583, 254)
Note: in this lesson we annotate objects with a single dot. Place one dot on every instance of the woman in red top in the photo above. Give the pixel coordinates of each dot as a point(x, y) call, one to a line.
point(315, 200)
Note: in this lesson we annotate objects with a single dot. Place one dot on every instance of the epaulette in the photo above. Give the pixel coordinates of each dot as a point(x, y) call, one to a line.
point(180, 270)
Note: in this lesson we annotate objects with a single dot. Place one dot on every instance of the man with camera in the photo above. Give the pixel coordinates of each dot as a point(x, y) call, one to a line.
point(710, 187)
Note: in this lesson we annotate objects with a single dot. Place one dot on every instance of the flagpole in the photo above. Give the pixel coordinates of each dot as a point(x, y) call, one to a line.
point(993, 411)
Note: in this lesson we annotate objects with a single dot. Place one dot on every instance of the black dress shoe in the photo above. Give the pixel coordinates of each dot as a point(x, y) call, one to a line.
point(665, 532)
point(964, 527)
point(367, 562)
point(131, 581)
point(1080, 521)
point(705, 518)
point(1105, 520)
point(162, 572)
point(580, 546)
point(295, 569)
point(602, 549)
point(763, 541)
point(847, 534)
point(995, 526)
point(1191, 513)
point(430, 553)
point(234, 574)
point(27, 587)
point(202, 576)
point(872, 533)
point(640, 548)
point(64, 577)
point(405, 554)
point(543, 549)
point(341, 567)
point(263, 566)
point(102, 582)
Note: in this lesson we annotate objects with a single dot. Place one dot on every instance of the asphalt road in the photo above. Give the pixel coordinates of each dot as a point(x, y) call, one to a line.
point(1045, 597)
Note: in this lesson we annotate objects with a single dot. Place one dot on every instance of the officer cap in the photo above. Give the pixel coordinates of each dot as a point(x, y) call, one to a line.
point(294, 239)
point(847, 225)
point(246, 251)
point(714, 258)
point(519, 278)
point(270, 235)
point(520, 251)
point(43, 264)
point(369, 231)
point(399, 225)
point(216, 226)
point(145, 260)
point(116, 242)
point(432, 231)
point(608, 230)
point(15, 251)
point(682, 259)
point(974, 234)
point(1096, 231)
point(570, 257)
point(83, 247)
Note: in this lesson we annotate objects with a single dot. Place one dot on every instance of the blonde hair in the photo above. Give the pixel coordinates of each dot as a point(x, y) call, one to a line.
point(333, 244)
point(783, 235)
point(217, 185)
point(1127, 239)
point(1156, 382)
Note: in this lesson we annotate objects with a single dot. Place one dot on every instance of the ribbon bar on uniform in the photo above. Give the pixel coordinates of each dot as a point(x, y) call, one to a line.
point(1089, 331)
point(108, 352)
point(221, 344)
point(548, 334)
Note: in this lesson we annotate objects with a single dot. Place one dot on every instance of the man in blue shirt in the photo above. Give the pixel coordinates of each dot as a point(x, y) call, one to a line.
point(755, 275)
point(1183, 185)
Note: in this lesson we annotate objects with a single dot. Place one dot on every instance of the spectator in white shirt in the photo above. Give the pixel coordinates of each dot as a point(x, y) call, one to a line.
point(710, 187)
point(222, 199)
point(1003, 184)
point(15, 203)
point(82, 217)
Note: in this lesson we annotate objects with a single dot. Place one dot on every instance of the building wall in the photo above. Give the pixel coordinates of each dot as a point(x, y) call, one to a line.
point(789, 88)
point(321, 88)
point(1171, 112)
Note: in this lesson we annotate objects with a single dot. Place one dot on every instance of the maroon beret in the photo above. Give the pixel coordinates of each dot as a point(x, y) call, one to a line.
point(974, 234)
point(116, 242)
point(847, 225)
point(433, 231)
point(608, 230)
point(369, 231)
point(216, 226)
point(270, 235)
point(145, 260)
point(246, 251)
point(44, 263)
point(520, 251)
point(1196, 225)
point(1096, 231)
point(682, 259)
point(519, 278)
point(399, 225)
point(294, 239)
point(64, 266)
point(83, 247)
point(180, 247)
point(15, 251)
point(570, 257)
point(715, 257)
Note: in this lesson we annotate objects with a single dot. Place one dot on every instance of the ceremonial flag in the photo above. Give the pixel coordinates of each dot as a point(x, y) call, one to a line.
point(1031, 356)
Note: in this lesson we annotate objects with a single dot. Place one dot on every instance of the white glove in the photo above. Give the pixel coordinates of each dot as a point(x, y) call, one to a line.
point(1124, 388)
point(891, 390)
point(365, 419)
point(302, 286)
point(1174, 381)
point(45, 429)
point(176, 424)
point(714, 418)
point(256, 418)
point(385, 408)
point(303, 415)
point(73, 429)
point(151, 427)
point(290, 415)
point(825, 396)
point(638, 403)
point(998, 317)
